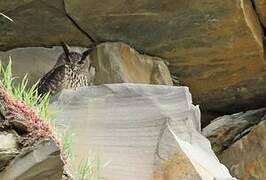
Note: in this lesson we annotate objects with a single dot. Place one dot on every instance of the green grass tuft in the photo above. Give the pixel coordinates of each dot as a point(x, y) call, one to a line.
point(20, 91)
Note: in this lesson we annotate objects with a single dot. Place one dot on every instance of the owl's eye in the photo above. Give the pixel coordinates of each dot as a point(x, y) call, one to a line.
point(81, 62)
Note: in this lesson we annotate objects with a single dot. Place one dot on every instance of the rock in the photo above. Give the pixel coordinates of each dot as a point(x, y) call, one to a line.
point(246, 157)
point(8, 148)
point(260, 6)
point(148, 131)
point(37, 23)
point(42, 161)
point(118, 62)
point(226, 130)
point(8, 141)
point(203, 41)
point(214, 47)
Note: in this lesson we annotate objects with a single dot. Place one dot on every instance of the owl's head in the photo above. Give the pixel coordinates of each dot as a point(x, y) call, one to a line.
point(75, 60)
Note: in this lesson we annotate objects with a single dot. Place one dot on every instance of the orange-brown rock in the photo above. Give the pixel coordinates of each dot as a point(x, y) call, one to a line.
point(246, 159)
point(214, 46)
point(118, 63)
point(260, 6)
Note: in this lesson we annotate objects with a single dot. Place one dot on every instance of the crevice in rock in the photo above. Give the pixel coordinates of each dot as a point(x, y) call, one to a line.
point(252, 21)
point(92, 39)
point(255, 10)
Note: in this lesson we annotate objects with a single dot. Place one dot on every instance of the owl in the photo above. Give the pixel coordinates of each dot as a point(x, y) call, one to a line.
point(72, 70)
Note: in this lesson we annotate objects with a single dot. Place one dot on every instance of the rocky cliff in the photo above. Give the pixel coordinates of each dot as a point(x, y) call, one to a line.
point(216, 48)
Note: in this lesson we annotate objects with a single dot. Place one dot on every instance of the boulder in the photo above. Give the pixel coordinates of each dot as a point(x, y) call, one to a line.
point(118, 62)
point(246, 158)
point(137, 131)
point(41, 161)
point(226, 130)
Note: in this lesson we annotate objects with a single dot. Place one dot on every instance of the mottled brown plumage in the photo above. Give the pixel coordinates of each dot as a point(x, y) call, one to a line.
point(72, 70)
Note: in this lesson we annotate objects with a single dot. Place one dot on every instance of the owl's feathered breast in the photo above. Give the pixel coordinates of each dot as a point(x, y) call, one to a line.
point(62, 77)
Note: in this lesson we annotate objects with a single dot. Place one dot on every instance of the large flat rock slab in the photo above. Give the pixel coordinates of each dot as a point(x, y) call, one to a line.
point(141, 131)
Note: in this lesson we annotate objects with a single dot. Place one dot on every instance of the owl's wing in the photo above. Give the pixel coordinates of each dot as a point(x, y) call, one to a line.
point(52, 81)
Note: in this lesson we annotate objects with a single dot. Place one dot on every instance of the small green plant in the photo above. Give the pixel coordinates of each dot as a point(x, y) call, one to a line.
point(68, 140)
point(91, 169)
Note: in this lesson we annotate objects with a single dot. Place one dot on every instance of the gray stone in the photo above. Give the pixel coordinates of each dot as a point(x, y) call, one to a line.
point(7, 141)
point(226, 130)
point(141, 132)
point(8, 148)
point(42, 161)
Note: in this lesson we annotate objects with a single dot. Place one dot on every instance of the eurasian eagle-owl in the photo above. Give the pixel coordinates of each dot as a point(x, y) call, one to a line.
point(72, 70)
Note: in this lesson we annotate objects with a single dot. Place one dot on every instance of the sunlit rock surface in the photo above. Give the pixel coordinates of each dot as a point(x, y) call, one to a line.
point(118, 62)
point(141, 131)
point(246, 158)
point(226, 130)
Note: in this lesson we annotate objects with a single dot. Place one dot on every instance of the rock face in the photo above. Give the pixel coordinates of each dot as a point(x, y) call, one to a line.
point(37, 23)
point(118, 62)
point(203, 41)
point(226, 130)
point(215, 47)
point(152, 132)
point(260, 6)
point(246, 158)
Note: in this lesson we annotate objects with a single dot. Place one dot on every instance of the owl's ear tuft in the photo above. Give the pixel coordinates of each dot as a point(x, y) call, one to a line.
point(86, 53)
point(66, 48)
